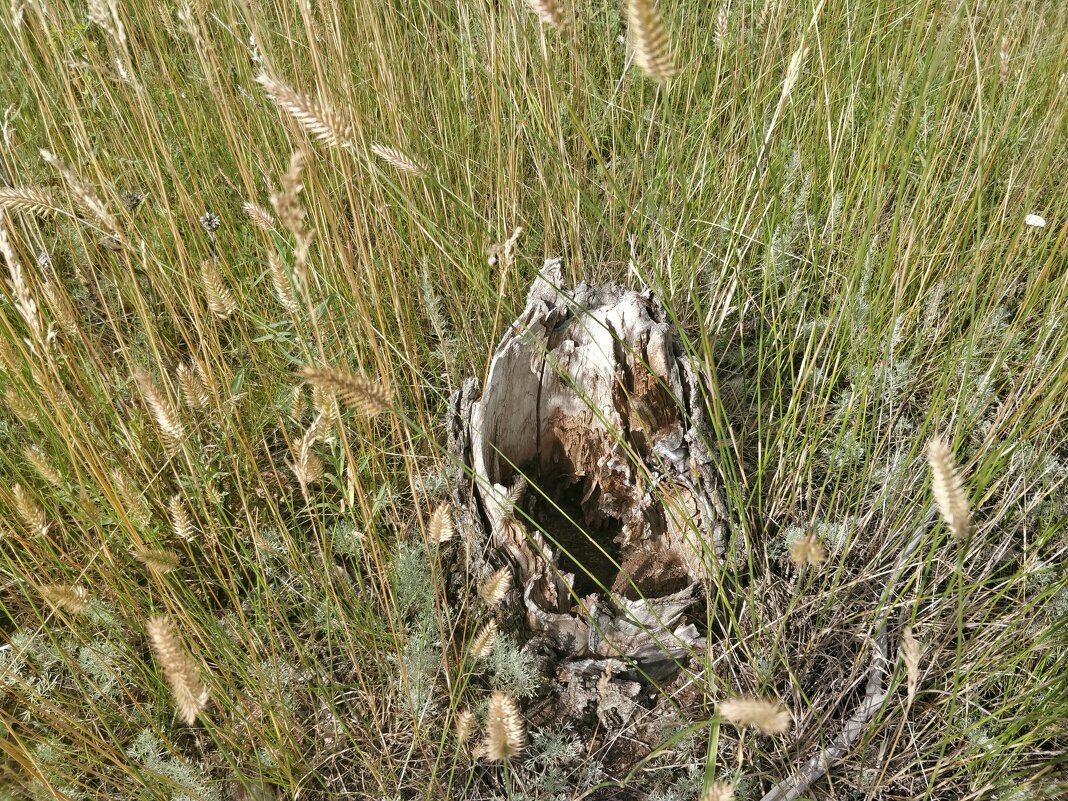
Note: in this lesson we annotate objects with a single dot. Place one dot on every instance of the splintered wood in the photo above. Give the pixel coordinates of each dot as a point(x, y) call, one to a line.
point(586, 470)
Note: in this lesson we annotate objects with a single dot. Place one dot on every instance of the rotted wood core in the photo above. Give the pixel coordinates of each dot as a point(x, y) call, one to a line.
point(586, 469)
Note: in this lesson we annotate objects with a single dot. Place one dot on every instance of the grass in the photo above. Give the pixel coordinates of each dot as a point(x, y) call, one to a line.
point(830, 200)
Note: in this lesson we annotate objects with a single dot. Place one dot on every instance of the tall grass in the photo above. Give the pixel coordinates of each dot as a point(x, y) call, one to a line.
point(231, 230)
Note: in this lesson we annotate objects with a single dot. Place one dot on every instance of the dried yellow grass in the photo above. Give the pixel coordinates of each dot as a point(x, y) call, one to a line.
point(506, 733)
point(767, 716)
point(649, 41)
point(366, 396)
point(948, 488)
point(315, 117)
point(495, 588)
point(182, 673)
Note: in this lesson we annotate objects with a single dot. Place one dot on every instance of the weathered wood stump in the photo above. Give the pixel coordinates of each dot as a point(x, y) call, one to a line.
point(585, 469)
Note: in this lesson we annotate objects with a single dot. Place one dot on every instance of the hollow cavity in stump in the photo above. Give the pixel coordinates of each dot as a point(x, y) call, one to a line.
point(586, 469)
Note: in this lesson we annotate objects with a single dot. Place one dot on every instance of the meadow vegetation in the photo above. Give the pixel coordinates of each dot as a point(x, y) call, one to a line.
point(251, 247)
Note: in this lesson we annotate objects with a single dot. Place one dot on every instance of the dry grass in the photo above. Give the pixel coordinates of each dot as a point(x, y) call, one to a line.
point(839, 209)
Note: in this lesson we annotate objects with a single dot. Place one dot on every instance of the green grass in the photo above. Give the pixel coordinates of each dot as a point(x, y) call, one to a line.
point(847, 260)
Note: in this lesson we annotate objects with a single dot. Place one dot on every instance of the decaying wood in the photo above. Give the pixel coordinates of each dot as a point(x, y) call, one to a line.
point(586, 469)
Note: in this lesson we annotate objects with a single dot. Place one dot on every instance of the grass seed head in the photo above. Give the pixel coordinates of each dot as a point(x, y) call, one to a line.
point(181, 522)
point(86, 197)
point(366, 396)
point(506, 733)
point(719, 33)
point(718, 791)
point(767, 13)
point(283, 287)
point(767, 716)
point(495, 588)
point(516, 494)
point(911, 651)
point(221, 300)
point(133, 501)
point(182, 674)
point(59, 303)
point(66, 599)
point(19, 406)
point(465, 727)
point(286, 201)
point(649, 41)
point(32, 515)
point(398, 160)
point(28, 200)
point(193, 389)
point(105, 14)
point(808, 550)
point(157, 560)
point(261, 218)
point(307, 467)
point(165, 415)
point(482, 644)
point(442, 528)
point(36, 457)
point(947, 488)
point(550, 12)
point(317, 119)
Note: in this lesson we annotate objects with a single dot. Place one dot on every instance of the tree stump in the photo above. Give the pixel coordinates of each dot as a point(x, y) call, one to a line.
point(584, 467)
